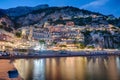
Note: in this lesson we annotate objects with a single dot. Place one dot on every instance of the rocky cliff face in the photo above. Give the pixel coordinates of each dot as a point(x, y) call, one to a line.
point(112, 41)
point(5, 22)
point(104, 40)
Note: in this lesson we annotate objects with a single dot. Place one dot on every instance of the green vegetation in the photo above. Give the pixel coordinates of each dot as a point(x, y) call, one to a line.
point(42, 41)
point(80, 45)
point(21, 50)
point(54, 43)
point(3, 23)
point(115, 22)
point(62, 46)
point(6, 28)
point(1, 26)
point(105, 32)
point(91, 47)
point(77, 21)
point(118, 45)
point(102, 32)
point(86, 32)
point(68, 10)
point(59, 22)
point(18, 34)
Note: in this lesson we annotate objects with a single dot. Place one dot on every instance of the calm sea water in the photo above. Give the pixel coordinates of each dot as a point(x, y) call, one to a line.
point(70, 68)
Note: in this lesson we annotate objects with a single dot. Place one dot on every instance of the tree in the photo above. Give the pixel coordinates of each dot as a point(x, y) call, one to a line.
point(4, 23)
point(78, 44)
point(41, 41)
point(91, 47)
point(53, 43)
point(81, 45)
point(1, 26)
point(18, 34)
point(60, 17)
point(63, 46)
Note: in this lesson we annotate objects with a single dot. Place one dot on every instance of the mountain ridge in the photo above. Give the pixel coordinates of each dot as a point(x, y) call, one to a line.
point(25, 16)
point(21, 10)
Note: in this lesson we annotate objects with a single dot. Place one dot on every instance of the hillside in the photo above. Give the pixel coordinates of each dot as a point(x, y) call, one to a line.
point(53, 13)
point(5, 22)
point(2, 14)
point(97, 29)
point(25, 16)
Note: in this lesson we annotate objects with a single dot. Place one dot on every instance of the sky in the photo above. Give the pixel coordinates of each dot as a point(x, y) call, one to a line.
point(102, 6)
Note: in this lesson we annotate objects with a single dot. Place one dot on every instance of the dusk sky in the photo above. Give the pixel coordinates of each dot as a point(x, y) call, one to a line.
point(102, 6)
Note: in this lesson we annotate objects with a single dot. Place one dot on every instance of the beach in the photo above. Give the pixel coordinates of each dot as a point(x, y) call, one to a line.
point(6, 66)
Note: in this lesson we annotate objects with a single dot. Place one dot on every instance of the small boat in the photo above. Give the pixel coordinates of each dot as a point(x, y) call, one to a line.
point(63, 52)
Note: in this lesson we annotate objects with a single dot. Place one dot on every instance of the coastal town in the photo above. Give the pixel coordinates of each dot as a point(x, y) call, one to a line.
point(68, 36)
point(59, 40)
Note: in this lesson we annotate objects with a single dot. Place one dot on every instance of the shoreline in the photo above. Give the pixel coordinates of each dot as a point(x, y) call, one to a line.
point(68, 54)
point(7, 67)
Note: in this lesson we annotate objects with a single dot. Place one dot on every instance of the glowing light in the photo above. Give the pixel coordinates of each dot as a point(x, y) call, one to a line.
point(39, 70)
point(40, 47)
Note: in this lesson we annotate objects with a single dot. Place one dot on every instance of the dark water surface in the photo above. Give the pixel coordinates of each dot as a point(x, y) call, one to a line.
point(70, 68)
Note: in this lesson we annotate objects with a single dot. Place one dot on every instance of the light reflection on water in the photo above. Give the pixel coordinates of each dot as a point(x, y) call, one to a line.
point(70, 68)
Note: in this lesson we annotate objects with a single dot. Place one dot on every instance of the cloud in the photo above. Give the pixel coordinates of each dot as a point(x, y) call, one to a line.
point(96, 3)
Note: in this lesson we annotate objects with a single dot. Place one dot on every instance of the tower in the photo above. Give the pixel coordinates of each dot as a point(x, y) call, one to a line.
point(46, 24)
point(23, 33)
point(30, 33)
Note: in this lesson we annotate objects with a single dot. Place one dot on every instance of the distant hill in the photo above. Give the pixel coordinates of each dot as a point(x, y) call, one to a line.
point(22, 10)
point(5, 22)
point(2, 13)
